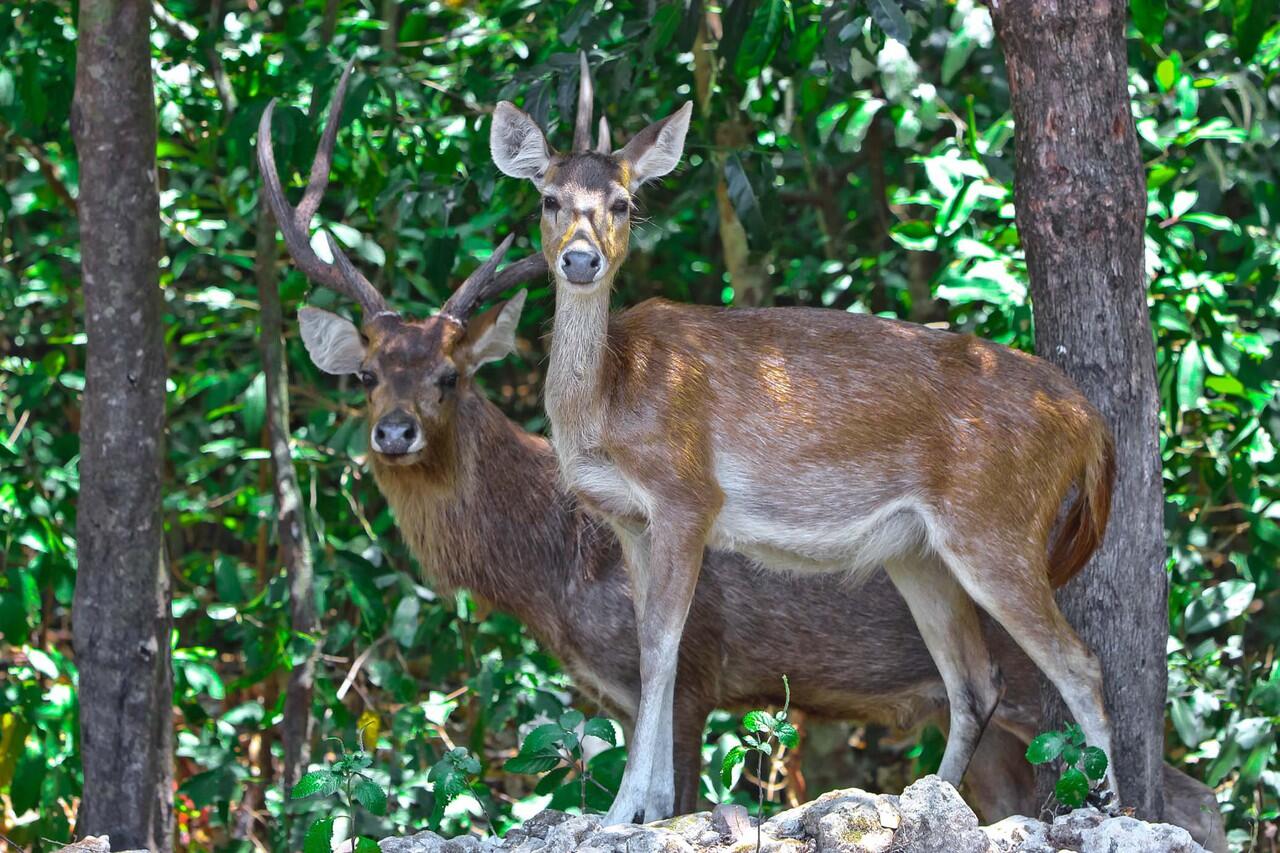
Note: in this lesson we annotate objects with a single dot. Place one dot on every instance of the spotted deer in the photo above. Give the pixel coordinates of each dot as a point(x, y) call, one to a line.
point(482, 507)
point(806, 440)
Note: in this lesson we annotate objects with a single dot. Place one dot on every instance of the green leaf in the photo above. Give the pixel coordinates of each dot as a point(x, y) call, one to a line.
point(1217, 605)
point(548, 784)
point(1167, 71)
point(404, 624)
point(1149, 17)
point(1046, 747)
point(1190, 377)
point(319, 837)
point(1250, 22)
point(732, 759)
point(541, 739)
point(601, 728)
point(570, 720)
point(916, 235)
point(1070, 754)
point(958, 211)
point(760, 39)
point(320, 783)
point(888, 16)
point(367, 845)
point(371, 796)
point(539, 763)
point(787, 734)
point(758, 721)
point(746, 202)
point(1095, 763)
point(1072, 788)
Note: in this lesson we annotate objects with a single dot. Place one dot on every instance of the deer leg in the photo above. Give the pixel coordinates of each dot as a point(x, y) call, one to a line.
point(663, 577)
point(1021, 600)
point(949, 624)
point(690, 721)
point(1000, 781)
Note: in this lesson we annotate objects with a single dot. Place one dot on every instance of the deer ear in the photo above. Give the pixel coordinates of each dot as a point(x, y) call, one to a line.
point(492, 335)
point(655, 151)
point(517, 145)
point(332, 342)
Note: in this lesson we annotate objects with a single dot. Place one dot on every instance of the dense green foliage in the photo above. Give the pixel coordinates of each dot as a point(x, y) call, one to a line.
point(868, 174)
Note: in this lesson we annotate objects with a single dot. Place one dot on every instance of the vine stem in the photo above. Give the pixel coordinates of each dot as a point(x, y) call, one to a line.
point(760, 793)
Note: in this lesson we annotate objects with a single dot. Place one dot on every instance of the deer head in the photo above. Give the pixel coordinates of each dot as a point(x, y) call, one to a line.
point(414, 371)
point(587, 195)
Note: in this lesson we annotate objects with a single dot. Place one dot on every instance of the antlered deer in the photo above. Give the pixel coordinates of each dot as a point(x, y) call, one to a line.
point(807, 440)
point(482, 508)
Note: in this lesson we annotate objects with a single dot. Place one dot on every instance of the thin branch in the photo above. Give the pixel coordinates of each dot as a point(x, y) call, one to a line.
point(47, 167)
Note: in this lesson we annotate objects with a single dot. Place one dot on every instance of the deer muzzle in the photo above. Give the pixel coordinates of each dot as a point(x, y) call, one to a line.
point(397, 434)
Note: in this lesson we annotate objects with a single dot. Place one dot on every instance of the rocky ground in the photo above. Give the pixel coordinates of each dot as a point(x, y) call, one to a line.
point(928, 817)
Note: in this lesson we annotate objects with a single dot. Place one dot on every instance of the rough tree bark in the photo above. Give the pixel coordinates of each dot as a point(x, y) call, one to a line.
point(121, 616)
point(291, 525)
point(1081, 200)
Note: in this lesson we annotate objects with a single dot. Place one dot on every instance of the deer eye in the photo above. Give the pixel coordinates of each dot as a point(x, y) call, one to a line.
point(549, 204)
point(621, 206)
point(448, 380)
point(367, 379)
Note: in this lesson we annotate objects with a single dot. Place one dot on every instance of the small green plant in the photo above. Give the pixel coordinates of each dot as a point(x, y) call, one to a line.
point(556, 749)
point(451, 777)
point(763, 729)
point(346, 779)
point(1083, 767)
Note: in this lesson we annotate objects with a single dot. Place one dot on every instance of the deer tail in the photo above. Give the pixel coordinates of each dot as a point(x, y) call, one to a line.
point(1081, 532)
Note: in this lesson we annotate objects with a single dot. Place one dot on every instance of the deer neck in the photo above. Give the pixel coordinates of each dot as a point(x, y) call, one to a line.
point(575, 383)
point(493, 520)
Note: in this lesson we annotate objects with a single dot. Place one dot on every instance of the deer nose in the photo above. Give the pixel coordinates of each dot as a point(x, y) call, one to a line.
point(396, 434)
point(580, 267)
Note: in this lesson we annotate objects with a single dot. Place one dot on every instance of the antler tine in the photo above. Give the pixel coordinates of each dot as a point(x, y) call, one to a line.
point(295, 222)
point(603, 145)
point(586, 95)
point(482, 284)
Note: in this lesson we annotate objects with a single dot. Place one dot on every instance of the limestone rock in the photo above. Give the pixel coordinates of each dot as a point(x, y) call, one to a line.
point(929, 817)
point(935, 819)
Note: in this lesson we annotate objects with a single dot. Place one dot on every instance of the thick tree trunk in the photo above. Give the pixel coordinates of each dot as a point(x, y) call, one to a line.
point(1081, 201)
point(291, 526)
point(121, 616)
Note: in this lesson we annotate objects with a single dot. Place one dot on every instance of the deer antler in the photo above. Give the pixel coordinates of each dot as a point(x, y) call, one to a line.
point(483, 285)
point(341, 275)
point(295, 222)
point(586, 95)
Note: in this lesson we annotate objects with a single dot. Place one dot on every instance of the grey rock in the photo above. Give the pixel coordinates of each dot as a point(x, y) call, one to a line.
point(733, 821)
point(429, 842)
point(929, 817)
point(935, 819)
point(635, 839)
point(852, 827)
point(543, 822)
point(567, 835)
point(1019, 834)
point(1090, 831)
point(699, 829)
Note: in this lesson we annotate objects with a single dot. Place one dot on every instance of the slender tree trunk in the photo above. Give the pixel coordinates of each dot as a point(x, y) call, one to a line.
point(291, 526)
point(121, 617)
point(749, 280)
point(1081, 202)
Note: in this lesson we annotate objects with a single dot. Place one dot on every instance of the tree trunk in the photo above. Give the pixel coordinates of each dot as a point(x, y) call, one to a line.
point(291, 526)
point(121, 616)
point(1081, 202)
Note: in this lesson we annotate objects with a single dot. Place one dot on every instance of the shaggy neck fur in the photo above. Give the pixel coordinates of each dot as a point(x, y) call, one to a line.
point(492, 519)
point(575, 373)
